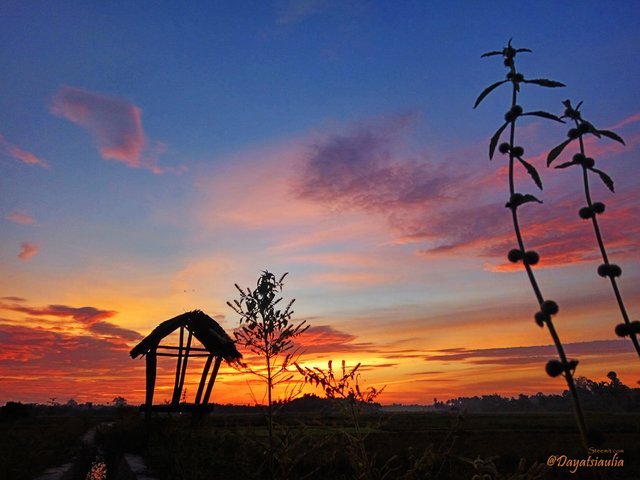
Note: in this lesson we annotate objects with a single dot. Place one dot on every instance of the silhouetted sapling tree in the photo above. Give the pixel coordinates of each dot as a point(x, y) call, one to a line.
point(268, 332)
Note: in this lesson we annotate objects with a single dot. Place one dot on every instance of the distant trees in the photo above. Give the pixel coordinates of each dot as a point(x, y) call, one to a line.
point(612, 395)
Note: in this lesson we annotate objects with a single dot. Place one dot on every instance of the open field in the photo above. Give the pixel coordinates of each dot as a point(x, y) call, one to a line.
point(415, 445)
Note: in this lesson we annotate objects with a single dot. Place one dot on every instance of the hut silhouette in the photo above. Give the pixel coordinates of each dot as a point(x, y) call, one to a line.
point(216, 344)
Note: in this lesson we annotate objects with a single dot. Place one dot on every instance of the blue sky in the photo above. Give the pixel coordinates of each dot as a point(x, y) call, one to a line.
point(154, 154)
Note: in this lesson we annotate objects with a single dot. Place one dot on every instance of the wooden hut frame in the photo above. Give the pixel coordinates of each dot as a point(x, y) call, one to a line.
point(217, 344)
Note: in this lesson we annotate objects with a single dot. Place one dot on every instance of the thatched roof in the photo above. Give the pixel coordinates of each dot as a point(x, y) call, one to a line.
point(203, 327)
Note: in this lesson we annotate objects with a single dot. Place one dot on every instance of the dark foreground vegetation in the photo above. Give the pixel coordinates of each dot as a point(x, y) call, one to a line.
point(319, 445)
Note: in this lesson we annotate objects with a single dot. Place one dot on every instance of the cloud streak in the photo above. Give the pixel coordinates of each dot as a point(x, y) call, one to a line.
point(21, 218)
point(20, 154)
point(527, 355)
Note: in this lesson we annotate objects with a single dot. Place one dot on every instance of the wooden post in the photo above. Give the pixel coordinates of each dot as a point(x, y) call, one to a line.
point(203, 379)
point(152, 362)
point(184, 364)
point(176, 386)
point(216, 367)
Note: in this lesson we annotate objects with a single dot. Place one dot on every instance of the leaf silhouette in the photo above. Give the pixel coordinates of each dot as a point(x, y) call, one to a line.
point(566, 164)
point(518, 199)
point(495, 138)
point(527, 198)
point(487, 91)
point(547, 115)
point(490, 54)
point(605, 178)
point(611, 135)
point(533, 172)
point(553, 154)
point(518, 50)
point(544, 82)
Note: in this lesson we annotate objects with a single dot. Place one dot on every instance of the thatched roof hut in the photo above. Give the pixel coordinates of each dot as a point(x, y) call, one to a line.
point(201, 326)
point(215, 344)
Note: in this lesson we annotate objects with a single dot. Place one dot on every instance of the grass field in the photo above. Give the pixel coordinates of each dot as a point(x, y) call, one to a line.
point(413, 445)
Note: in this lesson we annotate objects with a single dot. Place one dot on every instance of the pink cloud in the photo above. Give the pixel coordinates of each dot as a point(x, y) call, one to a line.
point(116, 125)
point(84, 315)
point(360, 170)
point(19, 154)
point(21, 217)
point(28, 250)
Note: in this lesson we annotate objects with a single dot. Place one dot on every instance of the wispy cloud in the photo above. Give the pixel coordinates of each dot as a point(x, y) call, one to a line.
point(294, 11)
point(28, 250)
point(527, 355)
point(20, 154)
point(84, 315)
point(359, 170)
point(291, 11)
point(116, 125)
point(21, 218)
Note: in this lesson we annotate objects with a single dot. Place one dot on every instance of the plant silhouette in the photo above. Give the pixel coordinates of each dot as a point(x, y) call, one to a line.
point(581, 129)
point(269, 333)
point(349, 394)
point(529, 258)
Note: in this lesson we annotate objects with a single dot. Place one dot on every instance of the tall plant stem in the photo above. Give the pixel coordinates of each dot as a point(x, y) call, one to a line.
point(269, 396)
point(603, 251)
point(577, 408)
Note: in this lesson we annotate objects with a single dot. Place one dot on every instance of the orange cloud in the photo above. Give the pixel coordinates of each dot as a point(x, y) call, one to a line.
point(19, 154)
point(28, 250)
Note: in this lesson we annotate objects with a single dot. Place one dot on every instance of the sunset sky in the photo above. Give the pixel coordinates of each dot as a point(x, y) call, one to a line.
point(153, 154)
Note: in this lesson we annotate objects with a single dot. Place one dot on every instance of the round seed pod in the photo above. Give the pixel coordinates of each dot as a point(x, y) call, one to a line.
point(514, 201)
point(603, 270)
point(598, 207)
point(519, 77)
point(583, 127)
point(595, 437)
point(549, 307)
point(553, 368)
point(589, 162)
point(615, 270)
point(540, 318)
point(578, 158)
point(634, 327)
point(585, 213)
point(571, 113)
point(516, 110)
point(508, 62)
point(509, 52)
point(531, 257)
point(515, 255)
point(518, 151)
point(622, 330)
point(504, 148)
point(572, 133)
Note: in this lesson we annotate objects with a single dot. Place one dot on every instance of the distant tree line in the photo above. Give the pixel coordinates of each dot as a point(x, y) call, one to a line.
point(612, 395)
